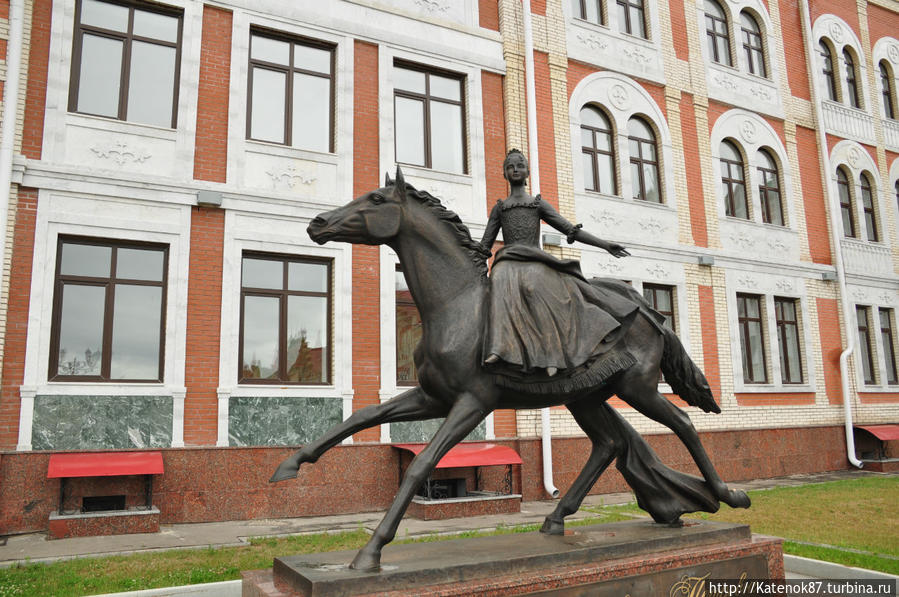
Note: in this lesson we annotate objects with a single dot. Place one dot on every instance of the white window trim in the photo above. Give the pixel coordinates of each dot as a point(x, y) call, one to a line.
point(878, 355)
point(244, 231)
point(768, 286)
point(171, 227)
point(886, 48)
point(855, 159)
point(840, 35)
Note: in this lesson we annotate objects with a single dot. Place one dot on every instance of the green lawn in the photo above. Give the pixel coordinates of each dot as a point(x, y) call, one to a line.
point(859, 515)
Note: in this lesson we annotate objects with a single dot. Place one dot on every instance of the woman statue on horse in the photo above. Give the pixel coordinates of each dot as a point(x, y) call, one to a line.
point(544, 317)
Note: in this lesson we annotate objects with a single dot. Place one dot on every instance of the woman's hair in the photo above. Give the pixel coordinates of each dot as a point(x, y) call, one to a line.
point(514, 152)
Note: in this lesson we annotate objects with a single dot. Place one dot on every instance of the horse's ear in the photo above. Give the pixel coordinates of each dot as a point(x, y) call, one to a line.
point(400, 182)
point(387, 180)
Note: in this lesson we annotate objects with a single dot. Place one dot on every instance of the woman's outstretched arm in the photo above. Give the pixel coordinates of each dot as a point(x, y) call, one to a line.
point(574, 232)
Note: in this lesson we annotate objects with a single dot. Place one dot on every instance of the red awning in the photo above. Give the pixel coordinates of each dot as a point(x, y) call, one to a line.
point(882, 432)
point(104, 464)
point(470, 454)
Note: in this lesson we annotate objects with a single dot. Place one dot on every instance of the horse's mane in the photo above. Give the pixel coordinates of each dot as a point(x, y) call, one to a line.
point(478, 253)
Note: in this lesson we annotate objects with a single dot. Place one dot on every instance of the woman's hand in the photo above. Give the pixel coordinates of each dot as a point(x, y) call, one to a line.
point(617, 250)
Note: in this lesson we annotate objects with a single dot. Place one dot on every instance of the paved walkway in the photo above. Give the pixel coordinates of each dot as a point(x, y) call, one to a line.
point(35, 547)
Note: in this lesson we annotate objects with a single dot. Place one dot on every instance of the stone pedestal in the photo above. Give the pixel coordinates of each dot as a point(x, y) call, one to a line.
point(634, 557)
point(473, 505)
point(113, 522)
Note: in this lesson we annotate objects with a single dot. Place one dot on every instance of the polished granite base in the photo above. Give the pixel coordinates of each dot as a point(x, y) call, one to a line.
point(634, 557)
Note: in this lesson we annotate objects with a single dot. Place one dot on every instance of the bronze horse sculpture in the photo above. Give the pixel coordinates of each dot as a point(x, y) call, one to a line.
point(447, 275)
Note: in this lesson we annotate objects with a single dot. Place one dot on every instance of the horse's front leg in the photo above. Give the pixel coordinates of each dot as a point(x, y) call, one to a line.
point(463, 417)
point(412, 405)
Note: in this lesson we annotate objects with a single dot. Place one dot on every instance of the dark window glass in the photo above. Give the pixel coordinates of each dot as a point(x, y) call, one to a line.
point(291, 92)
point(752, 346)
point(408, 332)
point(889, 345)
point(785, 314)
point(769, 189)
point(429, 113)
point(661, 298)
point(868, 207)
point(631, 17)
point(598, 148)
point(126, 61)
point(285, 327)
point(846, 210)
point(108, 308)
point(733, 180)
point(717, 33)
point(644, 161)
point(887, 90)
point(851, 80)
point(752, 45)
point(866, 357)
point(827, 68)
point(590, 10)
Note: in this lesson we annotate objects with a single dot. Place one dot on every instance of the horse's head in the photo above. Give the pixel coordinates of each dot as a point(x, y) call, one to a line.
point(370, 219)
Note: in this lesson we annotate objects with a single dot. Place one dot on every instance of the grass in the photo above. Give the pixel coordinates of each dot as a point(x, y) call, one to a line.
point(90, 576)
point(842, 517)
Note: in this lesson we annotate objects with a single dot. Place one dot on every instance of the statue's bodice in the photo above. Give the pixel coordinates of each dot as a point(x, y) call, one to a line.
point(521, 224)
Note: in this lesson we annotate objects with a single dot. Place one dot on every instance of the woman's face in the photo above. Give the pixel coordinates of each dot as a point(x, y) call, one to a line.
point(516, 169)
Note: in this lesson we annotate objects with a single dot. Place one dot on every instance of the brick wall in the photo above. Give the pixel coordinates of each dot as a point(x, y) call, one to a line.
point(831, 347)
point(36, 89)
point(211, 152)
point(845, 9)
point(546, 134)
point(794, 48)
point(366, 263)
point(695, 197)
point(709, 339)
point(813, 198)
point(488, 14)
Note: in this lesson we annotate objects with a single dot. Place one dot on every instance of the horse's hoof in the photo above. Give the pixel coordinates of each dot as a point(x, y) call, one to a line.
point(553, 527)
point(366, 562)
point(737, 498)
point(675, 524)
point(286, 470)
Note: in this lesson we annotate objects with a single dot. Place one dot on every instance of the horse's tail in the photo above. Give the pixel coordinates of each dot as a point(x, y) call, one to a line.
point(684, 376)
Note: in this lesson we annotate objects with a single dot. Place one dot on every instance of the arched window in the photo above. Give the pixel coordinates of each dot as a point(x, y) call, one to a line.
point(590, 10)
point(734, 181)
point(769, 188)
point(851, 79)
point(644, 161)
point(845, 203)
point(717, 33)
point(829, 76)
point(598, 147)
point(632, 18)
point(868, 207)
point(886, 86)
point(752, 45)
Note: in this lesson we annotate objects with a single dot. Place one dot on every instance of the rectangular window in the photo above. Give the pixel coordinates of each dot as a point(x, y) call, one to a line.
point(661, 298)
point(752, 345)
point(889, 345)
point(866, 357)
point(408, 332)
point(589, 10)
point(291, 91)
point(285, 320)
point(785, 314)
point(108, 311)
point(126, 61)
point(631, 17)
point(429, 118)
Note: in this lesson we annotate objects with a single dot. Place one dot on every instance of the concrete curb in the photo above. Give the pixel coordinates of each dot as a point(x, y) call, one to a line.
point(821, 569)
point(228, 588)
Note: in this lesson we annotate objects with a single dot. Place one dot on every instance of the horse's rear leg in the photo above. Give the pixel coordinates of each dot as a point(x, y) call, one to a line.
point(412, 405)
point(461, 420)
point(590, 414)
point(655, 406)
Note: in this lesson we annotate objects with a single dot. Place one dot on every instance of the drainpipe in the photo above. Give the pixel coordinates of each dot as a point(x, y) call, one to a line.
point(10, 106)
point(534, 160)
point(835, 227)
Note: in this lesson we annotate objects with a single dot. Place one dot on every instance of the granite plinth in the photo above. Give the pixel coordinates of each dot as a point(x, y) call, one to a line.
point(639, 557)
point(115, 522)
point(477, 504)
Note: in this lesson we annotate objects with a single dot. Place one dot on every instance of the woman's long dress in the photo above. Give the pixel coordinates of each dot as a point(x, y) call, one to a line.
point(543, 313)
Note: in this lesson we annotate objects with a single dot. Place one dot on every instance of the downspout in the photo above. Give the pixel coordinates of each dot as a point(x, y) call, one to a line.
point(534, 160)
point(835, 227)
point(10, 106)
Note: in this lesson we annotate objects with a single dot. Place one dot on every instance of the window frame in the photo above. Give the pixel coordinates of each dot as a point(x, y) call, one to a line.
point(828, 70)
point(638, 187)
point(594, 151)
point(865, 339)
point(426, 100)
point(283, 295)
point(127, 40)
point(289, 70)
point(600, 11)
point(716, 36)
point(629, 7)
point(397, 304)
point(888, 340)
point(652, 299)
point(766, 192)
point(846, 206)
point(852, 90)
point(110, 283)
point(743, 323)
point(887, 89)
point(869, 207)
point(730, 183)
point(753, 46)
point(781, 324)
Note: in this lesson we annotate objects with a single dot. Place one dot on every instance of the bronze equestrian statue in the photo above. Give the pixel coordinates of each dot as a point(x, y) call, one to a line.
point(533, 334)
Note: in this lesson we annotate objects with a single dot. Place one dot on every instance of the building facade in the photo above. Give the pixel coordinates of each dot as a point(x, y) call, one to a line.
point(159, 289)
